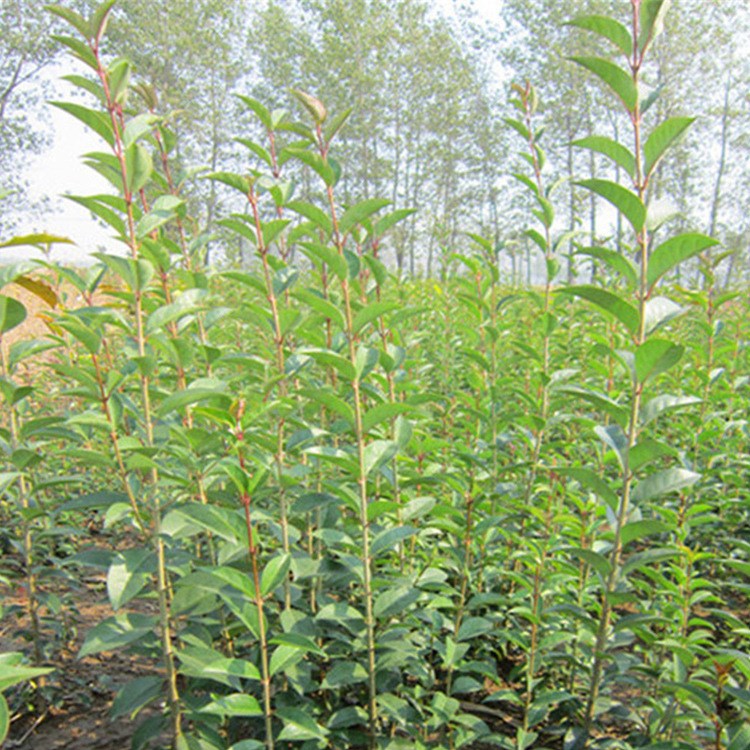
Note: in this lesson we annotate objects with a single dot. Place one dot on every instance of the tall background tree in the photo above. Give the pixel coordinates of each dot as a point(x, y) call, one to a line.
point(25, 51)
point(427, 85)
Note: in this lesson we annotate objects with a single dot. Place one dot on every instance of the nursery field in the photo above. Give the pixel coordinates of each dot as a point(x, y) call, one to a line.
point(304, 503)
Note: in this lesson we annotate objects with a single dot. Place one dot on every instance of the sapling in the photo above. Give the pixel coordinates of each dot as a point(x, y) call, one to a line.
point(650, 355)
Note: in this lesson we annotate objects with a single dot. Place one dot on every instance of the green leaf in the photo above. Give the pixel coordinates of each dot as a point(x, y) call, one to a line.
point(592, 481)
point(344, 673)
point(359, 212)
point(139, 167)
point(519, 127)
point(12, 313)
point(472, 627)
point(372, 312)
point(328, 358)
point(391, 219)
point(366, 360)
point(284, 657)
point(79, 49)
point(388, 539)
point(615, 151)
point(378, 453)
point(231, 180)
point(342, 614)
point(598, 562)
point(299, 726)
point(186, 304)
point(664, 136)
point(617, 262)
point(300, 642)
point(648, 450)
point(312, 213)
point(614, 436)
point(198, 391)
point(128, 574)
point(99, 122)
point(208, 664)
point(235, 704)
point(4, 719)
point(274, 573)
point(324, 168)
point(739, 735)
point(138, 693)
point(203, 519)
point(674, 251)
point(654, 357)
point(320, 305)
point(138, 127)
point(638, 529)
point(336, 124)
point(611, 302)
point(624, 200)
point(116, 633)
point(395, 600)
point(607, 27)
point(380, 412)
point(261, 112)
point(662, 482)
point(614, 76)
point(13, 670)
point(659, 404)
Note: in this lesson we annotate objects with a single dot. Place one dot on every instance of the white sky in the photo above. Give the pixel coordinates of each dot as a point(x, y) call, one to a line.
point(60, 170)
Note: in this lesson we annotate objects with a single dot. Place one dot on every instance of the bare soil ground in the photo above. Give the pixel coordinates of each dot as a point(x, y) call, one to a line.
point(79, 692)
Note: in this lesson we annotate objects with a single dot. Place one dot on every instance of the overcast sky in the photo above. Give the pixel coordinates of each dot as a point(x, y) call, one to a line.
point(59, 170)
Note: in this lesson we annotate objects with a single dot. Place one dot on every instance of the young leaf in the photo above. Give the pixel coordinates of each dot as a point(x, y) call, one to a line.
point(98, 21)
point(614, 76)
point(652, 21)
point(36, 239)
point(662, 138)
point(314, 106)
